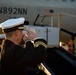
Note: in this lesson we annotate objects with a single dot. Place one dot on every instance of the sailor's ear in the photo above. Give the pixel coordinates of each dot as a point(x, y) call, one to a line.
point(16, 32)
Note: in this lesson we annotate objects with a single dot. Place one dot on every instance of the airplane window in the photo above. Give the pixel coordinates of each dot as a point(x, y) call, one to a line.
point(72, 0)
point(47, 0)
point(63, 0)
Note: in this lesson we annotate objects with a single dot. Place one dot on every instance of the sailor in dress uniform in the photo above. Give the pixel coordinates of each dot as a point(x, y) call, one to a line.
point(15, 59)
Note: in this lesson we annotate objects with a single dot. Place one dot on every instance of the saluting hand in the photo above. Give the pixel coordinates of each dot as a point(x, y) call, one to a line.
point(29, 35)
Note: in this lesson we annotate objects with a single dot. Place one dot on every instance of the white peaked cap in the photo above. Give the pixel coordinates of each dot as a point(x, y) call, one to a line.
point(12, 23)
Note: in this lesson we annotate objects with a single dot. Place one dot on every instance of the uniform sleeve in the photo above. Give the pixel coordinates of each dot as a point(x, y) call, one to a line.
point(40, 41)
point(34, 53)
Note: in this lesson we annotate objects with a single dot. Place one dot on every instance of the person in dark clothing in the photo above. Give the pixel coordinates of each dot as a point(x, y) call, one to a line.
point(26, 22)
point(1, 39)
point(15, 59)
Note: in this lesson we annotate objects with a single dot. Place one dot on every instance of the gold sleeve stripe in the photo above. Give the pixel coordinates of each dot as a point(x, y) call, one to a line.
point(36, 44)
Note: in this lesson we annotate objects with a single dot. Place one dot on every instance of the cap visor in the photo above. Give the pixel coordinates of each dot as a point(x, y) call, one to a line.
point(22, 28)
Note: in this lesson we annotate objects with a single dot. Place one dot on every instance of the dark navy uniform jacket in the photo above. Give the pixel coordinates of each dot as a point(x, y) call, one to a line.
point(15, 59)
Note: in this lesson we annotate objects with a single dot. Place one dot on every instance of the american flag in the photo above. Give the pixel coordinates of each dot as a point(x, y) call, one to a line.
point(48, 11)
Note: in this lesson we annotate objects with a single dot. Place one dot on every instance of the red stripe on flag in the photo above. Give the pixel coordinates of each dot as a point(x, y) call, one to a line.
point(47, 12)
